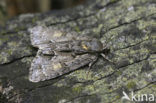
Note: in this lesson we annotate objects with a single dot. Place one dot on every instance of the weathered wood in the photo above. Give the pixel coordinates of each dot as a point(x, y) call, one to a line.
point(127, 26)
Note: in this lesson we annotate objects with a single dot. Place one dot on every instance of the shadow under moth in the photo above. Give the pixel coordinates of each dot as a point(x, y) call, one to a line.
point(61, 51)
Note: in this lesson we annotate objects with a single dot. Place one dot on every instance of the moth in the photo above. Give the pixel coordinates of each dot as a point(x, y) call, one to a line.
point(61, 51)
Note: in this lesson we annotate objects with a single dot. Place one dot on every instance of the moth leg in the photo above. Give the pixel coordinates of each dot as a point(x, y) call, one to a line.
point(105, 58)
point(90, 66)
point(92, 63)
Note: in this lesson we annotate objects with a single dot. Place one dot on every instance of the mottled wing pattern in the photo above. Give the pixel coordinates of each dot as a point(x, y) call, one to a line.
point(44, 68)
point(51, 41)
point(41, 36)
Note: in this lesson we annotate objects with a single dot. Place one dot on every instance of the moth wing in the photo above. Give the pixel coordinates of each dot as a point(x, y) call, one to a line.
point(43, 68)
point(41, 36)
point(38, 35)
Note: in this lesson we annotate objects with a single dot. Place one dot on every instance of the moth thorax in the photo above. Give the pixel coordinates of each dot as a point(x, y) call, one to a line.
point(93, 45)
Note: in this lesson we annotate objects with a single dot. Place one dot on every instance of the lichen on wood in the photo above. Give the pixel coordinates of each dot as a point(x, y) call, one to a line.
point(126, 26)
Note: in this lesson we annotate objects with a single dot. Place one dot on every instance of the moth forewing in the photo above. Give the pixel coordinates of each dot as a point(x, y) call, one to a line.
point(43, 35)
point(44, 69)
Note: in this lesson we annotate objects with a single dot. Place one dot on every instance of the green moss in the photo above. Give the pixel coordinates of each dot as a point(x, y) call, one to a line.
point(124, 79)
point(17, 29)
point(77, 88)
point(93, 88)
point(117, 97)
point(119, 72)
point(12, 44)
point(154, 85)
point(4, 39)
point(9, 52)
point(98, 29)
point(34, 19)
point(131, 85)
point(77, 29)
point(3, 32)
point(112, 1)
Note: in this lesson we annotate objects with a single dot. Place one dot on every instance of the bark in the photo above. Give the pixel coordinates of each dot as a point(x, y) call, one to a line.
point(128, 28)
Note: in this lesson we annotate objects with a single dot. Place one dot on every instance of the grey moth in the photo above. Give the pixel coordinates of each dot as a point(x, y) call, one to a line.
point(61, 51)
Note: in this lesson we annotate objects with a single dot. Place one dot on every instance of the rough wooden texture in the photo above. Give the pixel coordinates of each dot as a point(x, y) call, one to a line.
point(127, 26)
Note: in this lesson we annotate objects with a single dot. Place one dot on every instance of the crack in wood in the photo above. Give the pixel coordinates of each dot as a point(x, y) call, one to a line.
point(137, 61)
point(147, 85)
point(130, 22)
point(17, 59)
point(132, 45)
